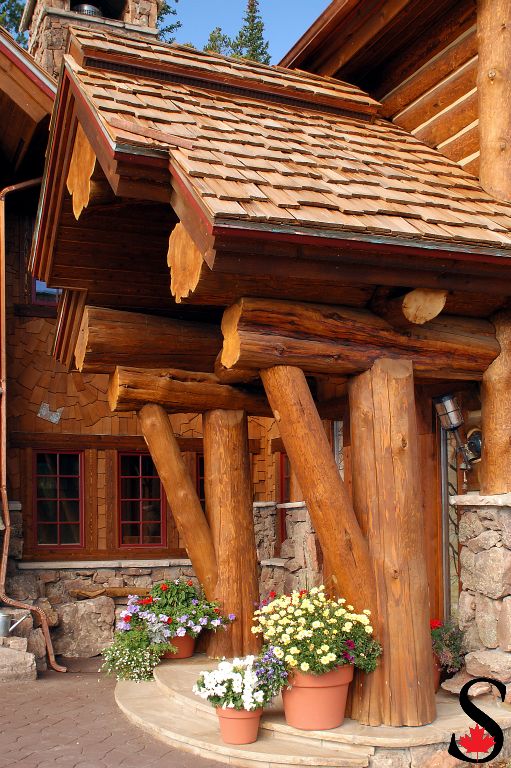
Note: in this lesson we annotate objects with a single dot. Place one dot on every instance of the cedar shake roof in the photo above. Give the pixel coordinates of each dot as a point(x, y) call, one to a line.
point(265, 146)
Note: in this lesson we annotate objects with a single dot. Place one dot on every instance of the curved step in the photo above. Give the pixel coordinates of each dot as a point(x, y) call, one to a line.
point(148, 707)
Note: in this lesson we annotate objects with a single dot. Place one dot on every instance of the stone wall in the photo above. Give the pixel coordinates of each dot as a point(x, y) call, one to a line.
point(485, 601)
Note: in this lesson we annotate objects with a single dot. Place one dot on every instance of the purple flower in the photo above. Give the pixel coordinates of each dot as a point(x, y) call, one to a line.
point(182, 619)
point(231, 616)
point(180, 632)
point(349, 644)
point(216, 623)
point(195, 602)
point(203, 621)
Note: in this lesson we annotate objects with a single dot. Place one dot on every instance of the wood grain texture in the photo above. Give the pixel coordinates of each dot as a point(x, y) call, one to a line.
point(110, 337)
point(495, 471)
point(416, 307)
point(180, 391)
point(494, 89)
point(262, 333)
point(228, 487)
point(81, 168)
point(181, 494)
point(185, 261)
point(344, 548)
point(387, 500)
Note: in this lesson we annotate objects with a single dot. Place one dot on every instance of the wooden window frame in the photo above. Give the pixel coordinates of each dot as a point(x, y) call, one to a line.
point(74, 547)
point(164, 505)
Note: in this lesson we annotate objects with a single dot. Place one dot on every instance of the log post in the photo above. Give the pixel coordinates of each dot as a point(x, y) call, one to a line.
point(387, 500)
point(344, 548)
point(181, 494)
point(228, 486)
point(495, 472)
point(494, 92)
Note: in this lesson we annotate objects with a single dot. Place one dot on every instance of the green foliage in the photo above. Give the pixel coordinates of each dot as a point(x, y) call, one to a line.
point(249, 43)
point(11, 12)
point(447, 641)
point(132, 655)
point(167, 27)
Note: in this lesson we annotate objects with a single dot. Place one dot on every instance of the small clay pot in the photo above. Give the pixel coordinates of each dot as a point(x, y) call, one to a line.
point(185, 647)
point(317, 702)
point(239, 726)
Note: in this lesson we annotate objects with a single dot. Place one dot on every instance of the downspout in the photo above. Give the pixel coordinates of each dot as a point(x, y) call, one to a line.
point(3, 432)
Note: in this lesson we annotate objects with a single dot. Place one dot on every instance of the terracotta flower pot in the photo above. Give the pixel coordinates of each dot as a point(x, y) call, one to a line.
point(317, 702)
point(239, 726)
point(437, 671)
point(185, 648)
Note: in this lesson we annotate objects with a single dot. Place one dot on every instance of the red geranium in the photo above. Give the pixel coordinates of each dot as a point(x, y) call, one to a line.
point(169, 620)
point(217, 610)
point(436, 624)
point(164, 587)
point(190, 583)
point(272, 595)
point(127, 618)
point(146, 601)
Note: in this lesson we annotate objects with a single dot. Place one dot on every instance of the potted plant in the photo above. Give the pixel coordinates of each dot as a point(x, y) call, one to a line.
point(138, 645)
point(320, 640)
point(239, 690)
point(185, 612)
point(447, 640)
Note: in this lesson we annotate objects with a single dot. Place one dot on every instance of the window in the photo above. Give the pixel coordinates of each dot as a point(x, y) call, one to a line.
point(58, 499)
point(41, 294)
point(142, 502)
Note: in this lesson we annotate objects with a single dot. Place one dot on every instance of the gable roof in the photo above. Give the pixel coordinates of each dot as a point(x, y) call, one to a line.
point(25, 64)
point(302, 152)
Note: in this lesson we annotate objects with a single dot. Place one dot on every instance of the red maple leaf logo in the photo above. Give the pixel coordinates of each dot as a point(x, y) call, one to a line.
point(477, 741)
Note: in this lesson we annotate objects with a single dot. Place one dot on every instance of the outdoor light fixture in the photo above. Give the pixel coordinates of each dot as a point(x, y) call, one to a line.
point(451, 419)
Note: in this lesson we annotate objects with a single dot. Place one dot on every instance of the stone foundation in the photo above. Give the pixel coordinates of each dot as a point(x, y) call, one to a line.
point(485, 601)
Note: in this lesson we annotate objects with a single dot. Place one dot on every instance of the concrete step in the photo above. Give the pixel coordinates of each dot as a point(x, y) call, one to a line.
point(148, 707)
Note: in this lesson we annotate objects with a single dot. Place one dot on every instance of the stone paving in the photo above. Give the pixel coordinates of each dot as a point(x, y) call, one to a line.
point(72, 721)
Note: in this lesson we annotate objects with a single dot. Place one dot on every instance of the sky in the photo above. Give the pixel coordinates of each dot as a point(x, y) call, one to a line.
point(285, 20)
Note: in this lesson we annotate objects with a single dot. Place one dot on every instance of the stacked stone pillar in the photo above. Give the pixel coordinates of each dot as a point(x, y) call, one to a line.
point(485, 573)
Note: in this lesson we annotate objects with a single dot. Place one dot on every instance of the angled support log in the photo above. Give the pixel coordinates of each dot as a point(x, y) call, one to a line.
point(228, 487)
point(495, 473)
point(181, 494)
point(344, 548)
point(179, 392)
point(387, 501)
point(110, 337)
point(261, 333)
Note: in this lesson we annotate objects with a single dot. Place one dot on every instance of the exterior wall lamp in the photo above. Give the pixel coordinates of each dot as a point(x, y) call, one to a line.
point(451, 419)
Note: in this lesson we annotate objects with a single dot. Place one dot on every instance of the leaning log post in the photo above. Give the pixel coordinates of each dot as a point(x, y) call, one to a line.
point(494, 92)
point(495, 475)
point(387, 500)
point(344, 547)
point(228, 486)
point(181, 494)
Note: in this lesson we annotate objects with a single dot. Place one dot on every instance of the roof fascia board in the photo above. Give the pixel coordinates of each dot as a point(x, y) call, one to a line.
point(26, 64)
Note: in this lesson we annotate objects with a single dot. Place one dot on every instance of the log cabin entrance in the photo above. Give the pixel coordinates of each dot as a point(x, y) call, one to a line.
point(299, 260)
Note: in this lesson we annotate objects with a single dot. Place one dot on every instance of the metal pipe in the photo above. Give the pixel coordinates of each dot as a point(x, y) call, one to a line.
point(3, 431)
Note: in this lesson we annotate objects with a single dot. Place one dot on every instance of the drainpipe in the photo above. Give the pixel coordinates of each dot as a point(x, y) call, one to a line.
point(3, 433)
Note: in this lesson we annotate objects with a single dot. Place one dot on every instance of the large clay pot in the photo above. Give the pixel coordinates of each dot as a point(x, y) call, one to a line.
point(437, 671)
point(239, 726)
point(185, 648)
point(317, 702)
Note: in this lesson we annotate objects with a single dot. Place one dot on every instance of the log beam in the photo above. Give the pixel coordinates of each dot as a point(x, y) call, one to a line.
point(181, 494)
point(228, 487)
point(344, 547)
point(494, 94)
point(495, 473)
point(387, 501)
point(110, 337)
point(414, 308)
point(260, 333)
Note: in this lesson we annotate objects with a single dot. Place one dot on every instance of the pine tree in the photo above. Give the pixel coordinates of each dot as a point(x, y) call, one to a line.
point(167, 28)
point(11, 12)
point(250, 42)
point(218, 42)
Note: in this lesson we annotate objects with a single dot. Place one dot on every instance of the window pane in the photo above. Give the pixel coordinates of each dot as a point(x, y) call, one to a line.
point(46, 464)
point(43, 294)
point(69, 488)
point(151, 511)
point(69, 464)
point(130, 488)
point(148, 467)
point(130, 511)
point(151, 488)
point(47, 511)
point(47, 487)
point(130, 466)
point(69, 512)
point(151, 533)
point(130, 534)
point(70, 534)
point(47, 534)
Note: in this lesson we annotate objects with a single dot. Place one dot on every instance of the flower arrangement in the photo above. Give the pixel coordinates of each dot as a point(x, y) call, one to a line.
point(315, 634)
point(447, 640)
point(243, 684)
point(133, 655)
point(174, 609)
